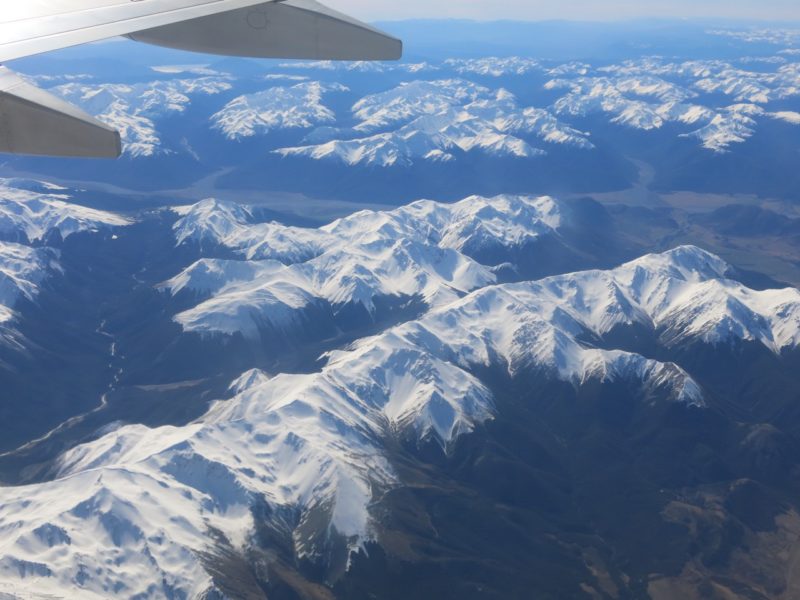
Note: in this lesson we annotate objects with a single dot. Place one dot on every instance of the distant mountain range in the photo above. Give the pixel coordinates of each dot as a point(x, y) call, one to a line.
point(438, 124)
point(642, 94)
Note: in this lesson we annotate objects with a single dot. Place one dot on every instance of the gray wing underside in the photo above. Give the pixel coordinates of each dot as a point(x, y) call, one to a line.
point(35, 122)
point(287, 29)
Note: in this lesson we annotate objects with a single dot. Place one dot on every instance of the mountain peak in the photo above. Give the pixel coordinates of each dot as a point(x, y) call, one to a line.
point(687, 262)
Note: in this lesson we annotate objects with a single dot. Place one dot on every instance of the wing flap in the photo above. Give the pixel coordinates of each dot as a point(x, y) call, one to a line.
point(33, 121)
point(302, 29)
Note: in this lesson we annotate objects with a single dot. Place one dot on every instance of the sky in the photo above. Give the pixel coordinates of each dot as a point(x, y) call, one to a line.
point(602, 10)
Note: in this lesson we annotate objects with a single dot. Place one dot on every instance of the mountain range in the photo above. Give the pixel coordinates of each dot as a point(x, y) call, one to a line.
point(244, 362)
point(444, 124)
point(372, 459)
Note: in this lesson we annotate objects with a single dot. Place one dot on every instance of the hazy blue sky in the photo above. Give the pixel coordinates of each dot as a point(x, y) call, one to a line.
point(570, 9)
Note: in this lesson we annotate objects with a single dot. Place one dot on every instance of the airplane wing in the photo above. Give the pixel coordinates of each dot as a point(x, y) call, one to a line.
point(257, 28)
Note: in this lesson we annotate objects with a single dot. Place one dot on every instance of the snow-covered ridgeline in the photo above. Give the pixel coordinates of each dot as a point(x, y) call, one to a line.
point(214, 223)
point(131, 512)
point(358, 66)
point(30, 210)
point(415, 99)
point(361, 259)
point(649, 93)
point(422, 250)
point(506, 220)
point(494, 66)
point(643, 103)
point(22, 270)
point(712, 77)
point(432, 119)
point(789, 37)
point(789, 116)
point(732, 125)
point(277, 108)
point(435, 119)
point(682, 296)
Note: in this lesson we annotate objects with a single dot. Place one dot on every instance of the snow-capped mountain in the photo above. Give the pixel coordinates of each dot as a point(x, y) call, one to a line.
point(307, 447)
point(415, 99)
point(131, 513)
point(494, 66)
point(622, 98)
point(754, 35)
point(733, 125)
point(212, 223)
point(433, 119)
point(358, 66)
point(717, 76)
point(31, 210)
point(419, 251)
point(682, 296)
point(424, 250)
point(22, 270)
point(299, 106)
point(646, 94)
point(136, 108)
point(468, 225)
point(440, 111)
point(753, 87)
point(789, 116)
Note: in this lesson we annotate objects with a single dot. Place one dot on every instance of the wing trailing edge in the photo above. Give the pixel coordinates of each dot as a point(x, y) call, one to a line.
point(35, 122)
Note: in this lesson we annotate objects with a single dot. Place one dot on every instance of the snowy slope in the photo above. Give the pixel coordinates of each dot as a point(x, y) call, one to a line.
point(422, 250)
point(29, 210)
point(299, 106)
point(648, 93)
point(494, 66)
point(22, 270)
point(733, 125)
point(217, 223)
point(367, 262)
point(130, 514)
point(429, 120)
point(638, 102)
point(415, 99)
point(681, 296)
point(788, 116)
point(509, 220)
